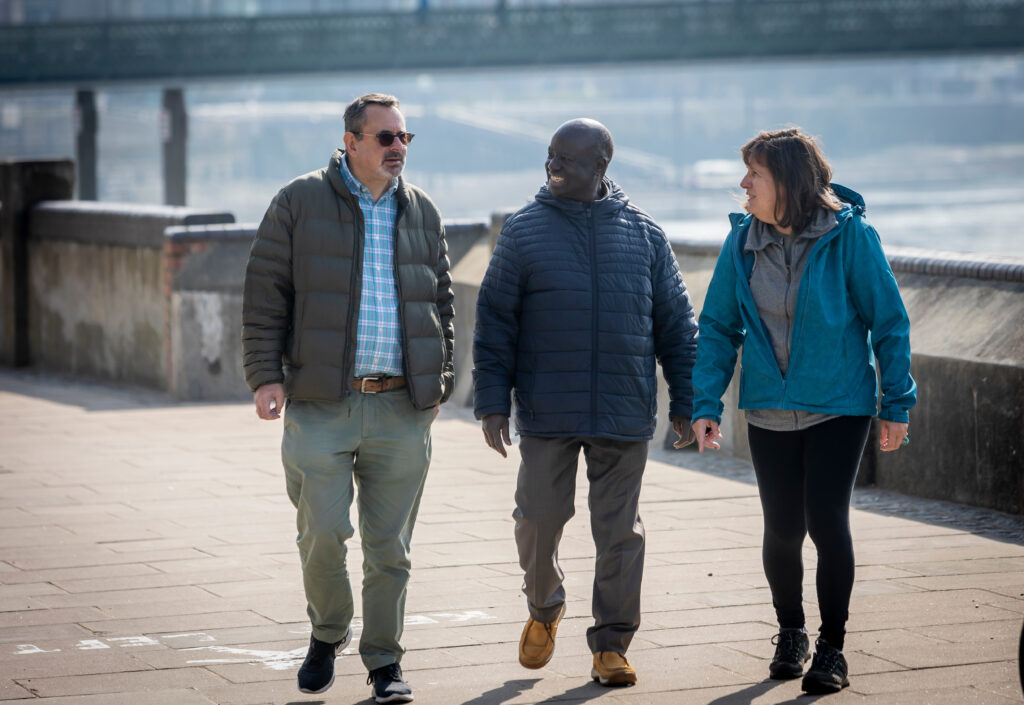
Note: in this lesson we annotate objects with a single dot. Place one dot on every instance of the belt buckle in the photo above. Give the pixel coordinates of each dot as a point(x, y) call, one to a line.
point(364, 380)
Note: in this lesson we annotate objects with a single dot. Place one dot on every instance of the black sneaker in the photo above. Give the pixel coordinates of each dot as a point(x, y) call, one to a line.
point(388, 685)
point(791, 653)
point(317, 672)
point(828, 670)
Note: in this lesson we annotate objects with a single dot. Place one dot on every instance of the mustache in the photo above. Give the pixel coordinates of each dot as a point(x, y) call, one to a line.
point(393, 154)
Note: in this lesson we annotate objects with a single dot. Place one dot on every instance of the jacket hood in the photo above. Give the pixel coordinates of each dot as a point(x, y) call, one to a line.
point(613, 200)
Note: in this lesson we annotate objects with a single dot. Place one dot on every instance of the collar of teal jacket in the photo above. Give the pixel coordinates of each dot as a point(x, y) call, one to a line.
point(853, 206)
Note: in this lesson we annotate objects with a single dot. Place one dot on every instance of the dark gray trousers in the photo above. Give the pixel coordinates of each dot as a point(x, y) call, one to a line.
point(545, 499)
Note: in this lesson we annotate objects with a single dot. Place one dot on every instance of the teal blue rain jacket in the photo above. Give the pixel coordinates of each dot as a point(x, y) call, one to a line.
point(848, 307)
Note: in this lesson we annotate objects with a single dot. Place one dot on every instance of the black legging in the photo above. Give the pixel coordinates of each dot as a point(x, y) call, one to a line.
point(805, 479)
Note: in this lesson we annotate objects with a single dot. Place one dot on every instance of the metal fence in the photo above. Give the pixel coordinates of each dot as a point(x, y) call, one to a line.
point(473, 37)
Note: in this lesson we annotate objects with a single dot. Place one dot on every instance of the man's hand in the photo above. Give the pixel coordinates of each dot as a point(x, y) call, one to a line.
point(682, 428)
point(707, 434)
point(891, 435)
point(269, 401)
point(496, 432)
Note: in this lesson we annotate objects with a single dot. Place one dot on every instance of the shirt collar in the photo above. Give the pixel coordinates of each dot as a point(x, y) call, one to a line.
point(356, 186)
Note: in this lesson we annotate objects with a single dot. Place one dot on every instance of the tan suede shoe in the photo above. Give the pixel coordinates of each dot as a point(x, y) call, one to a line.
point(612, 668)
point(538, 641)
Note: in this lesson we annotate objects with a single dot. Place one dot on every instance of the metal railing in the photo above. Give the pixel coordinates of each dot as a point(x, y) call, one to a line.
point(194, 48)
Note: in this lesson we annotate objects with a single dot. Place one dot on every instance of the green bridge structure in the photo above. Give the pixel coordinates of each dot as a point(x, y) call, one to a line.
point(87, 55)
point(207, 47)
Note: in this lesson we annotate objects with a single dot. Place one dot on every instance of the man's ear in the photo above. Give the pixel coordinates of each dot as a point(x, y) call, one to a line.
point(350, 141)
point(602, 165)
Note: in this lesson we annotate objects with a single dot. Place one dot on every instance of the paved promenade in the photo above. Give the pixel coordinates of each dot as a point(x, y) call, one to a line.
point(147, 558)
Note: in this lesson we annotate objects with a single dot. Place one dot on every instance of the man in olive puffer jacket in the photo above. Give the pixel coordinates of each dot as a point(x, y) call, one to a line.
point(347, 314)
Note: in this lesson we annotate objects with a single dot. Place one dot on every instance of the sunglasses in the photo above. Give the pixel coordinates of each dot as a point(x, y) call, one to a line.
point(386, 138)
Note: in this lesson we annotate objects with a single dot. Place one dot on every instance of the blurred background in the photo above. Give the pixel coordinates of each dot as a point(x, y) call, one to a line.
point(934, 142)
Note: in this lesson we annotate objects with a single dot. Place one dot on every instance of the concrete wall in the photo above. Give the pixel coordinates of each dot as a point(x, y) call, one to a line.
point(207, 275)
point(967, 338)
point(98, 302)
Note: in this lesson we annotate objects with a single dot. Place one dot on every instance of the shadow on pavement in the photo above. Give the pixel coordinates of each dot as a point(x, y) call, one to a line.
point(579, 694)
point(507, 691)
point(747, 695)
point(89, 394)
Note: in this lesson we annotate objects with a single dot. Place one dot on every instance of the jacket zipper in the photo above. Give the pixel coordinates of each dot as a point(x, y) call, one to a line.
point(356, 295)
point(594, 319)
point(399, 211)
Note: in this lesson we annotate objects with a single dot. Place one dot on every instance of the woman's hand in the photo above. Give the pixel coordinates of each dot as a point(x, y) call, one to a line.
point(892, 436)
point(707, 434)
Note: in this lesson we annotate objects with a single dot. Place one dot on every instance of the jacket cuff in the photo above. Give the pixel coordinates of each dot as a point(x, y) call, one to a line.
point(895, 415)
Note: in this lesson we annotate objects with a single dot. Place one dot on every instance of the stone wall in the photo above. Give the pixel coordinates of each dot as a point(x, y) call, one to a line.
point(98, 296)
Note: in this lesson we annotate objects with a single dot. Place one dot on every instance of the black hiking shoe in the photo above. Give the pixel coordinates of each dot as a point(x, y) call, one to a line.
point(317, 672)
point(792, 650)
point(828, 670)
point(388, 686)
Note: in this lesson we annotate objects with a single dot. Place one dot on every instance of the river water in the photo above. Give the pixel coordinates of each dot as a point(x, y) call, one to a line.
point(935, 145)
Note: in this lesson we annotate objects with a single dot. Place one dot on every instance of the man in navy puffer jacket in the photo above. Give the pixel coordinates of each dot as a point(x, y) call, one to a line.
point(582, 296)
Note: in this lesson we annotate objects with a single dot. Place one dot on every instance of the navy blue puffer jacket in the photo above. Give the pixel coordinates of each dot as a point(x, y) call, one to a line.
point(578, 301)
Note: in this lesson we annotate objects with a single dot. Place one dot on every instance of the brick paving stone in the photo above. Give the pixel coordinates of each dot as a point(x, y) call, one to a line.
point(23, 666)
point(9, 690)
point(917, 680)
point(133, 681)
point(176, 696)
point(966, 695)
point(174, 623)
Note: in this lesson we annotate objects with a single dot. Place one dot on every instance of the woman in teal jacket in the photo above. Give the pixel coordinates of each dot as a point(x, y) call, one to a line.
point(802, 284)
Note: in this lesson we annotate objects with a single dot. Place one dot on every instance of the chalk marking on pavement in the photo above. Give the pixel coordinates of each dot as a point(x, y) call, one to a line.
point(91, 644)
point(204, 635)
point(287, 660)
point(24, 649)
point(130, 641)
point(276, 660)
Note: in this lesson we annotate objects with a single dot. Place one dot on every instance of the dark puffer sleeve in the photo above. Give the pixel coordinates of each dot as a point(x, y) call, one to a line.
point(675, 330)
point(446, 310)
point(496, 335)
point(268, 295)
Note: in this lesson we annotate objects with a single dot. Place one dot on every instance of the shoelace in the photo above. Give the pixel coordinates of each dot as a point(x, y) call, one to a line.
point(788, 644)
point(392, 671)
point(828, 661)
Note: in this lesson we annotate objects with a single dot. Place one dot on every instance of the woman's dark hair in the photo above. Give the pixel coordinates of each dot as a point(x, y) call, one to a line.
point(801, 174)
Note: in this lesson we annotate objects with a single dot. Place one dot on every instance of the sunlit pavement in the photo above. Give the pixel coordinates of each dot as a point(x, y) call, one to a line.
point(147, 557)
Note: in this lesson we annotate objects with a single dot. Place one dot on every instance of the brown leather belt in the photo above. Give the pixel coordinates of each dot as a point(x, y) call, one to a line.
point(372, 385)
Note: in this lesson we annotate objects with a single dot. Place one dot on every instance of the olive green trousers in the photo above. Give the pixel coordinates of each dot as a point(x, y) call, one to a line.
point(374, 448)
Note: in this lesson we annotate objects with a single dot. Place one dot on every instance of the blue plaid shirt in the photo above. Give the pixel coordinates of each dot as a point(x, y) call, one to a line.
point(378, 335)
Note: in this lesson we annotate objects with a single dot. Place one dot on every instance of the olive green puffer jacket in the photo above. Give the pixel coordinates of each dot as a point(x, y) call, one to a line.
point(303, 283)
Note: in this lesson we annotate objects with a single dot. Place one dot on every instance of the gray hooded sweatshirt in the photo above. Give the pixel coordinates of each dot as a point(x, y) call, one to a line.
point(775, 282)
